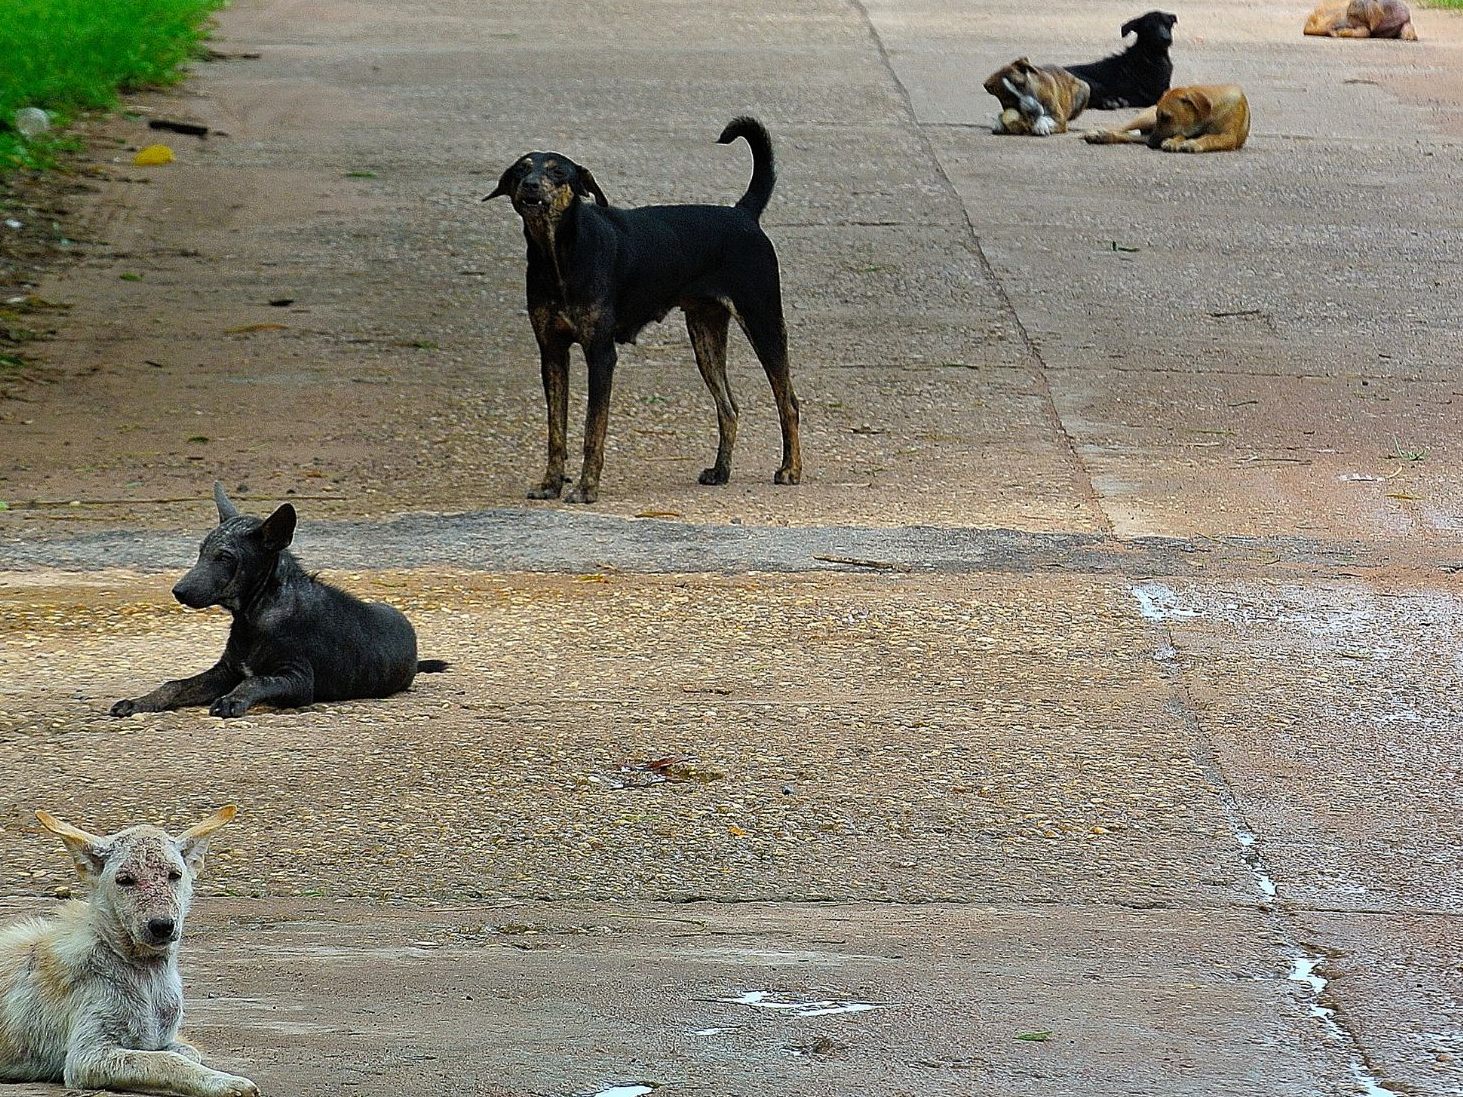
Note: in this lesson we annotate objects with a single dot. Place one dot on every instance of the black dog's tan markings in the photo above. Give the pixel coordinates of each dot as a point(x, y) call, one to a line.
point(597, 275)
point(294, 640)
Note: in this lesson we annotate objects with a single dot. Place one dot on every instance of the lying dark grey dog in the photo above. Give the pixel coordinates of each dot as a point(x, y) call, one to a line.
point(1139, 75)
point(295, 640)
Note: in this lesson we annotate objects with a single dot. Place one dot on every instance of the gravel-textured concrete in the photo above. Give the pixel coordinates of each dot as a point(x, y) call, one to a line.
point(1097, 682)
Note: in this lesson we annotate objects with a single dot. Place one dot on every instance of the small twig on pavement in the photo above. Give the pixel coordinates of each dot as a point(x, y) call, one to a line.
point(860, 562)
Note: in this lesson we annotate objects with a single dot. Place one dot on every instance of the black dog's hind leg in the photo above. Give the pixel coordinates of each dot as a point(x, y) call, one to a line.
point(762, 323)
point(601, 357)
point(707, 321)
point(553, 350)
point(201, 689)
point(292, 688)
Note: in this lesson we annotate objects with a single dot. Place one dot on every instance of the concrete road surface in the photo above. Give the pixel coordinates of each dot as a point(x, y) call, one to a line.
point(1084, 724)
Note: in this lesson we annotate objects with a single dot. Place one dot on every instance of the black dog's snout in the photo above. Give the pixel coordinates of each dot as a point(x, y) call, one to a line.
point(162, 929)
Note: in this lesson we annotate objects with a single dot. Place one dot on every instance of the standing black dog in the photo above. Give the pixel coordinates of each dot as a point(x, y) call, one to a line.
point(295, 640)
point(1139, 75)
point(597, 275)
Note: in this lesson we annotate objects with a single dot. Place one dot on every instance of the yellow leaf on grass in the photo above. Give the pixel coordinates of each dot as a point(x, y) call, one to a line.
point(152, 156)
point(736, 831)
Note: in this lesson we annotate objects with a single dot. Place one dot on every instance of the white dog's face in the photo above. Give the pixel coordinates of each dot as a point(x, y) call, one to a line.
point(141, 878)
point(144, 887)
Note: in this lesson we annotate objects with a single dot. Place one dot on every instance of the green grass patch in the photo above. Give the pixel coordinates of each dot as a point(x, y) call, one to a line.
point(70, 56)
point(1456, 4)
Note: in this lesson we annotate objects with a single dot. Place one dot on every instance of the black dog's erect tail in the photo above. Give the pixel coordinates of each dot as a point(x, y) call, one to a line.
point(764, 169)
point(432, 666)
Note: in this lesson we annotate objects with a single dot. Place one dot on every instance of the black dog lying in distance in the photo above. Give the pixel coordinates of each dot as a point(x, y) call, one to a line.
point(295, 640)
point(597, 275)
point(1139, 75)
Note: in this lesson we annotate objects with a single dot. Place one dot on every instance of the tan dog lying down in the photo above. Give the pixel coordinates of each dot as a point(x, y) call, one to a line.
point(1036, 99)
point(1362, 19)
point(1201, 118)
point(92, 997)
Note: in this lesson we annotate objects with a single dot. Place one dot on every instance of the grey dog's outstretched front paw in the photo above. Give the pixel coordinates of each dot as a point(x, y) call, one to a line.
point(228, 707)
point(131, 706)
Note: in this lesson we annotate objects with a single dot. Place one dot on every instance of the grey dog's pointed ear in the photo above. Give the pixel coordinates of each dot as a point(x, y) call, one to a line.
point(508, 181)
point(226, 509)
point(585, 184)
point(278, 529)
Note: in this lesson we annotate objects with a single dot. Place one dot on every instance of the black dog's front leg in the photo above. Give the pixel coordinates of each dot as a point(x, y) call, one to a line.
point(201, 689)
point(601, 357)
point(553, 353)
point(292, 687)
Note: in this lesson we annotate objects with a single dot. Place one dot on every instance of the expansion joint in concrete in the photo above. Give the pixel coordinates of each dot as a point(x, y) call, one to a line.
point(1032, 352)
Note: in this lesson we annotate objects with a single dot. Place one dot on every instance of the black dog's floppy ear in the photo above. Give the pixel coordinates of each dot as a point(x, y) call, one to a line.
point(1130, 27)
point(279, 528)
point(508, 181)
point(226, 509)
point(585, 186)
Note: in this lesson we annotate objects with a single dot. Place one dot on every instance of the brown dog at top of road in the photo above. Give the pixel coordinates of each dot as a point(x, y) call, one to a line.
point(1199, 118)
point(1362, 19)
point(1036, 100)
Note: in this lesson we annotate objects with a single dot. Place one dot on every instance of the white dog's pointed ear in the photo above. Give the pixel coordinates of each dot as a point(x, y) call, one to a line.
point(193, 842)
point(88, 850)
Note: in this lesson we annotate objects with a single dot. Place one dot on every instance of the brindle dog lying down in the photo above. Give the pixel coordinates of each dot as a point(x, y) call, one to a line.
point(1035, 99)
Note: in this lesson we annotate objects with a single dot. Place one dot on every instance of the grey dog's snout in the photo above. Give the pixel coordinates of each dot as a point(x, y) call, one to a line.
point(188, 591)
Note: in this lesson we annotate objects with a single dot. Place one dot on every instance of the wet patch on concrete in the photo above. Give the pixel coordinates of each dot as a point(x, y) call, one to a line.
point(541, 539)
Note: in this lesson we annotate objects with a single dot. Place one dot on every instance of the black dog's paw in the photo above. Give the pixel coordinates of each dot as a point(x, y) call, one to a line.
point(129, 707)
point(228, 706)
point(714, 476)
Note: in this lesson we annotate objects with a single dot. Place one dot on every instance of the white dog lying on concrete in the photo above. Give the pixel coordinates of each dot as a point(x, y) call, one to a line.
point(92, 997)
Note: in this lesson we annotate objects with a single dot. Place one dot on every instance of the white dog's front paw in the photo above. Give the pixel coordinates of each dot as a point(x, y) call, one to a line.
point(1044, 126)
point(231, 1085)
